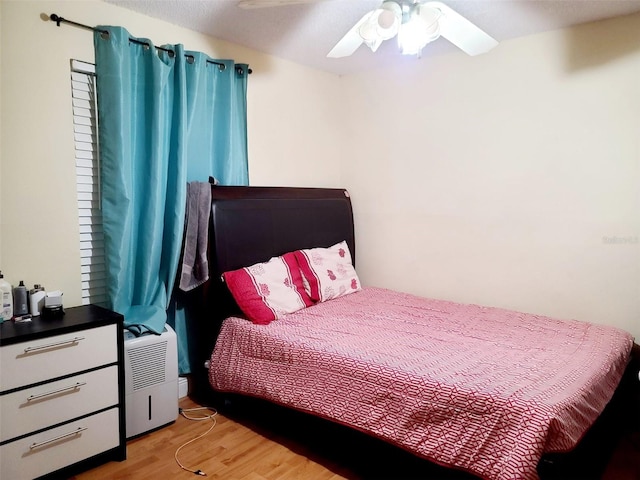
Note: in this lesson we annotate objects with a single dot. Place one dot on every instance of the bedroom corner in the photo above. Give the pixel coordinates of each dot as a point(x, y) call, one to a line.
point(508, 179)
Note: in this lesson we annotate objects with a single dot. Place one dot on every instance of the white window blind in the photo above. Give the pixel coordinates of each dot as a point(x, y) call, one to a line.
point(85, 130)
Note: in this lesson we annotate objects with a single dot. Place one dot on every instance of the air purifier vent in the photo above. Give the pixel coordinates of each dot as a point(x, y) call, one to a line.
point(150, 380)
point(148, 364)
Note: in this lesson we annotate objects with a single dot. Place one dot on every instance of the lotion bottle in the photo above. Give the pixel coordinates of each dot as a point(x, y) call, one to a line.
point(6, 297)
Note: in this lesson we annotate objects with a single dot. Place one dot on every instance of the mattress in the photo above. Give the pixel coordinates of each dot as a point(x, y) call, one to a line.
point(482, 389)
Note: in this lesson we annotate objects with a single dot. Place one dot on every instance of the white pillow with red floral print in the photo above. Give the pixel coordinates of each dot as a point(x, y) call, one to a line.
point(267, 291)
point(328, 272)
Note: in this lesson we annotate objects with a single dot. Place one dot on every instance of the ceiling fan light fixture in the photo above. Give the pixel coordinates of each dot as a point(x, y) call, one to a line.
point(382, 24)
point(429, 15)
point(392, 15)
point(388, 23)
point(421, 28)
point(417, 23)
point(369, 31)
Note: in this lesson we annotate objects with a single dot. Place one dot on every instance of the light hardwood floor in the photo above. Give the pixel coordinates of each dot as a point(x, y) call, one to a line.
point(266, 448)
point(229, 451)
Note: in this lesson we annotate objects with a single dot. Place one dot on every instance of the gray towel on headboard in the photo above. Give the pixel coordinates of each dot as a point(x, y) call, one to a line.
point(195, 268)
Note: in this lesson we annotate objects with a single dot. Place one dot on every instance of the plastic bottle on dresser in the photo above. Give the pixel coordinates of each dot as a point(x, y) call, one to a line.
point(6, 297)
point(20, 302)
point(36, 299)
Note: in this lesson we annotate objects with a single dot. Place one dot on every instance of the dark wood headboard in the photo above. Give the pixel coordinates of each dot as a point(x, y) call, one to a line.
point(252, 224)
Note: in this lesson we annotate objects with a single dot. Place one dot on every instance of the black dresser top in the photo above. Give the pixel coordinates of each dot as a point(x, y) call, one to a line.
point(74, 319)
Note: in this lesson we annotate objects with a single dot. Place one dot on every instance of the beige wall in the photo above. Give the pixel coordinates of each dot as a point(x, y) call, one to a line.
point(499, 179)
point(293, 137)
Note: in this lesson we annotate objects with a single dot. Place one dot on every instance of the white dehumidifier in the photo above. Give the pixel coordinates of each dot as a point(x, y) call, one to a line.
point(151, 380)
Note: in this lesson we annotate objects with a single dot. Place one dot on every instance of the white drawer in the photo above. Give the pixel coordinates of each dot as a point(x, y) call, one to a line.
point(48, 451)
point(47, 358)
point(39, 407)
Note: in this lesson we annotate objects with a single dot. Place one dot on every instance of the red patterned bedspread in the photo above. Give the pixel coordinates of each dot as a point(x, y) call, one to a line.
point(482, 389)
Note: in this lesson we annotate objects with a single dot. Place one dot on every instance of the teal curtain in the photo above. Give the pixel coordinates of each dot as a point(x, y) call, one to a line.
point(165, 118)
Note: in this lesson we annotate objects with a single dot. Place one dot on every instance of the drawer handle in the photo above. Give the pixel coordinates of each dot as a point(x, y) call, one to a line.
point(55, 439)
point(60, 390)
point(51, 345)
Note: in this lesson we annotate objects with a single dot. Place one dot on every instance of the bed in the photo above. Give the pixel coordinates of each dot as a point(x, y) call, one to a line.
point(484, 390)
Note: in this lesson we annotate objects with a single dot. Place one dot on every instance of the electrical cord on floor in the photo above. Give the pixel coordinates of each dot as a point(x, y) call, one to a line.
point(211, 416)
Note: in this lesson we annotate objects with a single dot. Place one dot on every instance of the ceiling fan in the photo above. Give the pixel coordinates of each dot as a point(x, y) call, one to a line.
point(415, 22)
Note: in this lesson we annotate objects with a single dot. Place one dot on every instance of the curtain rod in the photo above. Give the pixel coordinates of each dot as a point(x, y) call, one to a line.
point(105, 34)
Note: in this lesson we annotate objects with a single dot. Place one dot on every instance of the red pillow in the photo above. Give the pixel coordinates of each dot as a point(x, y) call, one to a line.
point(267, 291)
point(328, 272)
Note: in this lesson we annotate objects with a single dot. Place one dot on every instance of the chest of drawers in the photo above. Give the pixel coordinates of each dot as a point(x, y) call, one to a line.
point(61, 394)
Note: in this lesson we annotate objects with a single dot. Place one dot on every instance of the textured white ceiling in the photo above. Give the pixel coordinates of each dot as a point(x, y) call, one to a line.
point(305, 33)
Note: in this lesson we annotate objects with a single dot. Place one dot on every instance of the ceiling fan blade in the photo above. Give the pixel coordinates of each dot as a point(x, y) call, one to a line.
point(350, 42)
point(461, 32)
point(251, 4)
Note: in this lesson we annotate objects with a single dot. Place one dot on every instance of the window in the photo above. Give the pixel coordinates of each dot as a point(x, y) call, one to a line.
point(85, 131)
